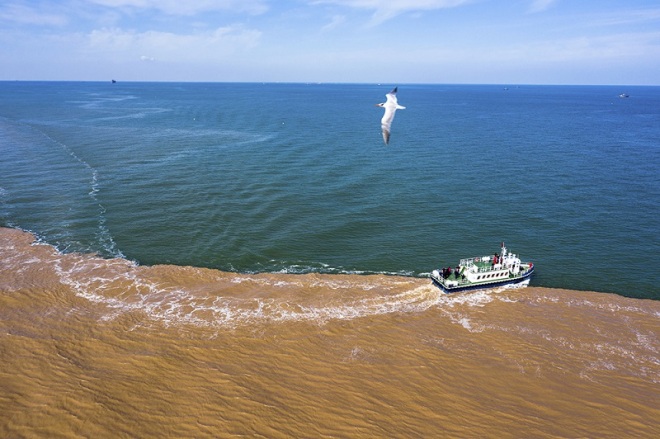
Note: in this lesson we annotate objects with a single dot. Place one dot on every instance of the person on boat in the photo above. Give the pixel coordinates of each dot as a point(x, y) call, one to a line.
point(458, 272)
point(495, 259)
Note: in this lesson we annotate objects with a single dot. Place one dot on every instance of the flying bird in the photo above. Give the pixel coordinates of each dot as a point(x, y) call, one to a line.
point(390, 108)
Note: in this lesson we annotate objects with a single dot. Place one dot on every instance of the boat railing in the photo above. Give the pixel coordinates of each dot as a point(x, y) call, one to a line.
point(473, 261)
point(489, 268)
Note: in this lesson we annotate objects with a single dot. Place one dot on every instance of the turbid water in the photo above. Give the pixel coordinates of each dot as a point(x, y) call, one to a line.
point(93, 347)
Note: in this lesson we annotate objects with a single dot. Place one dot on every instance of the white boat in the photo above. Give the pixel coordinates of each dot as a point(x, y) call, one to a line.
point(484, 272)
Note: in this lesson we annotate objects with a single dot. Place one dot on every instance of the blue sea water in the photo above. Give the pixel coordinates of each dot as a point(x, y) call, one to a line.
point(296, 178)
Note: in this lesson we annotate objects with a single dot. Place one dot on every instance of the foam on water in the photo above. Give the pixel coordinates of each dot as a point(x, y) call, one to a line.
point(122, 288)
point(209, 298)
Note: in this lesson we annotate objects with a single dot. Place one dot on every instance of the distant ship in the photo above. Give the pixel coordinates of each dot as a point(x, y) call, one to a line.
point(114, 82)
point(624, 95)
point(484, 272)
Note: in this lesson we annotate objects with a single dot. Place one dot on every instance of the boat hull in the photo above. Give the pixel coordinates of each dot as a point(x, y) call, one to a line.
point(524, 278)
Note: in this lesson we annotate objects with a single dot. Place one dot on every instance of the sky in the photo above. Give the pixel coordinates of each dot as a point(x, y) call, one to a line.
point(594, 42)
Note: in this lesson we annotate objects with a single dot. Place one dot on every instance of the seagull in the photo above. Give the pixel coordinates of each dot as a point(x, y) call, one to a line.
point(390, 108)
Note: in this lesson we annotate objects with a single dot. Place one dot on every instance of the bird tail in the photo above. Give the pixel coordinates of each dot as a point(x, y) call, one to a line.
point(386, 137)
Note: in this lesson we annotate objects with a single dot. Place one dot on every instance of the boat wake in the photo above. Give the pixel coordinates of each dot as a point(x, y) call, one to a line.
point(179, 296)
point(209, 298)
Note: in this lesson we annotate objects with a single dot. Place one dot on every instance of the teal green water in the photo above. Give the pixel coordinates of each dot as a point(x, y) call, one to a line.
point(295, 177)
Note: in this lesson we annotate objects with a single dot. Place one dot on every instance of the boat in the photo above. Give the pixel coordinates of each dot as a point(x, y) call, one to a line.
point(483, 272)
point(624, 95)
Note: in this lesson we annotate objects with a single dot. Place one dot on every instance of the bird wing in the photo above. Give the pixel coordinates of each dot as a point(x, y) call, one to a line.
point(391, 97)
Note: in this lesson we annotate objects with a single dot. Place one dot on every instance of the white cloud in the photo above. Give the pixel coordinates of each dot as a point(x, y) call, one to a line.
point(188, 7)
point(615, 47)
point(387, 9)
point(167, 46)
point(22, 14)
point(626, 17)
point(336, 21)
point(540, 5)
